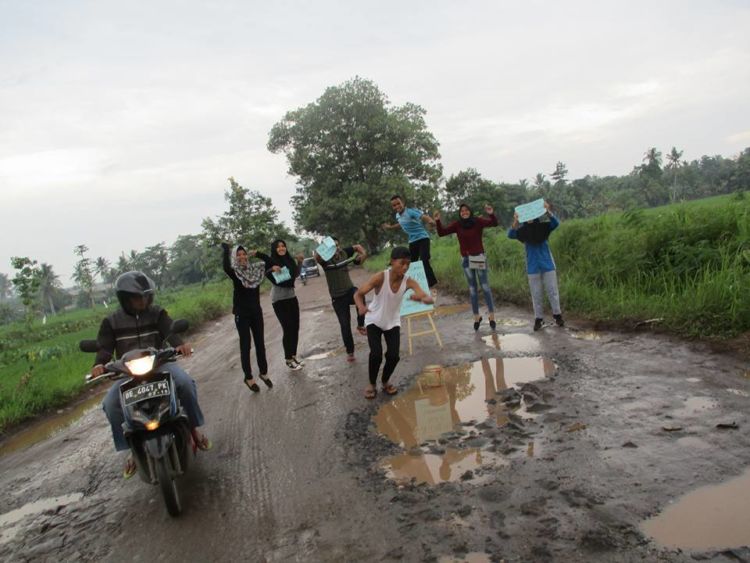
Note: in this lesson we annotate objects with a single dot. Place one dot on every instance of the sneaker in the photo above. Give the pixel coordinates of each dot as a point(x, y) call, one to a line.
point(538, 324)
point(291, 364)
point(296, 360)
point(559, 320)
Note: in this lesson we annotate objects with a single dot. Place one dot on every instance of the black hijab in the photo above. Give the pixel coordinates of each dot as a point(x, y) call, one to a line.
point(281, 261)
point(466, 223)
point(535, 232)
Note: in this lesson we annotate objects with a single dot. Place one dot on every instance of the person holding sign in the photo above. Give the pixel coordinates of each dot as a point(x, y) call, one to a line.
point(540, 266)
point(469, 229)
point(383, 318)
point(282, 270)
point(248, 315)
point(412, 221)
point(342, 289)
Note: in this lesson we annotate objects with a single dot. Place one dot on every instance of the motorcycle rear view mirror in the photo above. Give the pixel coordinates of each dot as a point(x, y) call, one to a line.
point(179, 326)
point(91, 346)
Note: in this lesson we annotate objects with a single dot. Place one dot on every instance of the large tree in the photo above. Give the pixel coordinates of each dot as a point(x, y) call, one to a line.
point(251, 220)
point(26, 282)
point(83, 275)
point(50, 289)
point(351, 150)
point(674, 163)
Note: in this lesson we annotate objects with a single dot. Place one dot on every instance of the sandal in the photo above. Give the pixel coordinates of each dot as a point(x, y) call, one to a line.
point(389, 389)
point(130, 468)
point(371, 393)
point(202, 442)
point(253, 387)
point(362, 330)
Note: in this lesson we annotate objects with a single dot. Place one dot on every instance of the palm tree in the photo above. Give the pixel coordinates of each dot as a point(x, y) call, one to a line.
point(49, 284)
point(674, 163)
point(101, 269)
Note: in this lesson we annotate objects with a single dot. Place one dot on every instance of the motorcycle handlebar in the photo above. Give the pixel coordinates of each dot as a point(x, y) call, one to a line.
point(112, 375)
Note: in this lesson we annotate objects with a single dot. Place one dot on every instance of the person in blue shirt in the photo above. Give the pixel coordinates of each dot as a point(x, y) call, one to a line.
point(412, 221)
point(540, 265)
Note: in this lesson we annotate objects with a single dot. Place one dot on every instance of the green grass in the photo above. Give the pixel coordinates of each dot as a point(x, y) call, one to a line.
point(687, 263)
point(41, 367)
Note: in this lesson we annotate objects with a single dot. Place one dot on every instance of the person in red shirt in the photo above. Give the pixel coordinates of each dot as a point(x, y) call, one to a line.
point(469, 229)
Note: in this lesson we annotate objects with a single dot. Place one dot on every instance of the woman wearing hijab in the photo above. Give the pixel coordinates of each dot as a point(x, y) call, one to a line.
point(469, 229)
point(540, 266)
point(248, 315)
point(282, 270)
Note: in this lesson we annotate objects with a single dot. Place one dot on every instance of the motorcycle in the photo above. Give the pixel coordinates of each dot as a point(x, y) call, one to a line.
point(156, 426)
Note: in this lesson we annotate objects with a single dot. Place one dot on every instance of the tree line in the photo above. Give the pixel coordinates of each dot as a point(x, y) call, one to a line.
point(350, 151)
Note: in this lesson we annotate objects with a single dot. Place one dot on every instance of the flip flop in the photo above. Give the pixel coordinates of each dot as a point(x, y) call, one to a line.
point(203, 443)
point(130, 468)
point(389, 389)
point(362, 330)
point(371, 393)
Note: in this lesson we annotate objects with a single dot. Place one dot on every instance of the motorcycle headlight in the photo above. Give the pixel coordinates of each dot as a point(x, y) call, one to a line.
point(141, 366)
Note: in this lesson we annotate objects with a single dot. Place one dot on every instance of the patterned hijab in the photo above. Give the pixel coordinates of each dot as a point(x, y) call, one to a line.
point(251, 275)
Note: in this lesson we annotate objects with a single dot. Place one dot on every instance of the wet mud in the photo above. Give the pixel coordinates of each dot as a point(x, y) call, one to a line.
point(560, 445)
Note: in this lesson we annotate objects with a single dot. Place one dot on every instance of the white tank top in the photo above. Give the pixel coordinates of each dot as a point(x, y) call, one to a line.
point(385, 308)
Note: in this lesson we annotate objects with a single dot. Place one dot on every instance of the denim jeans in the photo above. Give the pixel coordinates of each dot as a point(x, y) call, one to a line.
point(471, 278)
point(186, 392)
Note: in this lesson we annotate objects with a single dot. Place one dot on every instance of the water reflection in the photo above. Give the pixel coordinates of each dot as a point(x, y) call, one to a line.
point(712, 517)
point(514, 343)
point(434, 406)
point(433, 468)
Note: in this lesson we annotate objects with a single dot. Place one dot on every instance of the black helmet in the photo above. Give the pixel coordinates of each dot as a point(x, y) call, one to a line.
point(132, 284)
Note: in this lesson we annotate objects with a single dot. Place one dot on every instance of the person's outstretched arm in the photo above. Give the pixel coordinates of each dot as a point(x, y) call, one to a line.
point(419, 294)
point(226, 262)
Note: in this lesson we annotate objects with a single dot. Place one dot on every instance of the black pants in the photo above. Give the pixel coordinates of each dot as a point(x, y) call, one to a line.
point(420, 250)
point(392, 343)
point(245, 325)
point(341, 306)
point(287, 311)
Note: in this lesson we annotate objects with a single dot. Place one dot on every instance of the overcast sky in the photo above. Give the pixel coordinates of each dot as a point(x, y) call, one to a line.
point(120, 122)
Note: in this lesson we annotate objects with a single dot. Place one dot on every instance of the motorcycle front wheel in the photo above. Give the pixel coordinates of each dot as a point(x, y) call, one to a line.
point(168, 485)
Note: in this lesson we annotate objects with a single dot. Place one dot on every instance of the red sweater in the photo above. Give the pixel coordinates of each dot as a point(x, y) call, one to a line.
point(469, 240)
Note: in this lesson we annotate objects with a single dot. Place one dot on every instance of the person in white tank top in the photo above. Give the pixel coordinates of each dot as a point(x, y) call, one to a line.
point(383, 316)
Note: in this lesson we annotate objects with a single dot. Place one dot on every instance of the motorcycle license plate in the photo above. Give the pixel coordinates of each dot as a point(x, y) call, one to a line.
point(145, 391)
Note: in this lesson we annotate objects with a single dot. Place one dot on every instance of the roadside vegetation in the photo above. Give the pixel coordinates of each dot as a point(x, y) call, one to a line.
point(41, 366)
point(687, 264)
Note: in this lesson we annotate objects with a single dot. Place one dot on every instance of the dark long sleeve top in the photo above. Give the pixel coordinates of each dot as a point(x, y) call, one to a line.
point(246, 300)
point(469, 240)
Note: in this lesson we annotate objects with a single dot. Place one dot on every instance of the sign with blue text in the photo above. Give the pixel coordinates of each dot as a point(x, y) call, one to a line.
point(530, 211)
point(409, 307)
point(282, 275)
point(326, 249)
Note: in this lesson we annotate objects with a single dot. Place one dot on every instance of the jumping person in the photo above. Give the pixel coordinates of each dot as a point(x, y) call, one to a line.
point(540, 266)
point(283, 298)
point(138, 323)
point(342, 290)
point(248, 314)
point(469, 229)
point(383, 316)
point(412, 221)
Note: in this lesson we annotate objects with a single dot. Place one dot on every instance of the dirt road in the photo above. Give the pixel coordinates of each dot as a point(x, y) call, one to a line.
point(534, 446)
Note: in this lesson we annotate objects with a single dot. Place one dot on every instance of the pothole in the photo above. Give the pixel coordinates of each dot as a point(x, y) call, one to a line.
point(10, 521)
point(712, 517)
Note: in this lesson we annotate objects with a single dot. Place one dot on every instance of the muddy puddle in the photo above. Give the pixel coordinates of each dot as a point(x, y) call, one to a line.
point(439, 468)
point(513, 343)
point(444, 400)
point(48, 427)
point(10, 521)
point(585, 335)
point(712, 517)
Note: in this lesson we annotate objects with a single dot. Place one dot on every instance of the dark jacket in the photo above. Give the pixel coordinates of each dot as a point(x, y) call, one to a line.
point(122, 332)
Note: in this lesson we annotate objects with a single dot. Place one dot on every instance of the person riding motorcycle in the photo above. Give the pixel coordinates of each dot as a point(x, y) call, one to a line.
point(138, 323)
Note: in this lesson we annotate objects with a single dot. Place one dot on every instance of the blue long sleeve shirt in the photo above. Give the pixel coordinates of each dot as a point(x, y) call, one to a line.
point(538, 256)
